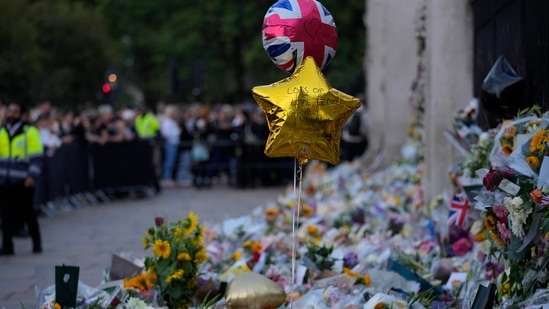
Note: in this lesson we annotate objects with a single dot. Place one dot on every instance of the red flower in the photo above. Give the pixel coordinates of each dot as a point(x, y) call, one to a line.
point(158, 221)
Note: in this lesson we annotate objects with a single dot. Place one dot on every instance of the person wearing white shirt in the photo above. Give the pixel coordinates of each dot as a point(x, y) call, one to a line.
point(171, 132)
point(49, 139)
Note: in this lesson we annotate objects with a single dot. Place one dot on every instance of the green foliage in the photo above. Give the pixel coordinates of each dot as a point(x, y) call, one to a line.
point(224, 37)
point(320, 256)
point(53, 49)
point(60, 49)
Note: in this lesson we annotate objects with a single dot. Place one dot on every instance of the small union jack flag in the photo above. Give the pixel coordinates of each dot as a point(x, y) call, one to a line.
point(458, 210)
point(544, 199)
point(295, 29)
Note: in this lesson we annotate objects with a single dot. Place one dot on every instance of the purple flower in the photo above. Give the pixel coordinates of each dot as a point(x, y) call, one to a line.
point(462, 246)
point(350, 260)
point(493, 270)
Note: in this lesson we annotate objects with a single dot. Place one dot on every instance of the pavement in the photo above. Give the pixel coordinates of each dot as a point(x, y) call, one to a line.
point(88, 237)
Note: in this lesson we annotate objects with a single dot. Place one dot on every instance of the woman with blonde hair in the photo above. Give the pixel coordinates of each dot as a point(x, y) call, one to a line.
point(169, 128)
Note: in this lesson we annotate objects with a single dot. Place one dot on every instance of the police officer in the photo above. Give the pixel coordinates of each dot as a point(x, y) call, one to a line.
point(147, 127)
point(21, 155)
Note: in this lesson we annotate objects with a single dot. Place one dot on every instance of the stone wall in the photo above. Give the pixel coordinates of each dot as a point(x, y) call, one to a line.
point(391, 66)
point(449, 85)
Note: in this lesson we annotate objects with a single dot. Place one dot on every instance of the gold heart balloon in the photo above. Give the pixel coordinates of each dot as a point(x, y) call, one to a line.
point(305, 115)
point(253, 291)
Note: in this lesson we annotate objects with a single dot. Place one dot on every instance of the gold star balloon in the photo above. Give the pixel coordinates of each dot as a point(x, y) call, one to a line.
point(305, 115)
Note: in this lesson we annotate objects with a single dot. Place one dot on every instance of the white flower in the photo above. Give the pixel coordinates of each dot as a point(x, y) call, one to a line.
point(516, 228)
point(513, 204)
point(518, 220)
point(136, 303)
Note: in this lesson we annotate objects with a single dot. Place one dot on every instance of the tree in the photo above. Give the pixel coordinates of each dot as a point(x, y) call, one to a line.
point(215, 45)
point(53, 49)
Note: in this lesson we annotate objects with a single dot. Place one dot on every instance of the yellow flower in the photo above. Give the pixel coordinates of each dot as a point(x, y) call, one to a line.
point(178, 274)
point(177, 232)
point(495, 237)
point(311, 229)
point(193, 223)
point(248, 244)
point(162, 248)
point(307, 211)
point(533, 162)
point(183, 256)
point(481, 236)
point(145, 241)
point(236, 255)
point(367, 280)
point(547, 236)
point(192, 283)
point(489, 222)
point(505, 289)
point(201, 256)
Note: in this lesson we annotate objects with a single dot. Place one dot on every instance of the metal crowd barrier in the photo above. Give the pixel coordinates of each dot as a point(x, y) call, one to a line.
point(81, 173)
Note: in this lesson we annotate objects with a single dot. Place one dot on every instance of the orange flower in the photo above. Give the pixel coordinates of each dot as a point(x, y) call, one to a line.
point(536, 196)
point(256, 248)
point(510, 132)
point(271, 212)
point(311, 229)
point(533, 162)
point(507, 149)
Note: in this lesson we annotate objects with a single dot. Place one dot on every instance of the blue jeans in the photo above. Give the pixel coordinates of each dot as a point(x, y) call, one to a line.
point(184, 169)
point(170, 155)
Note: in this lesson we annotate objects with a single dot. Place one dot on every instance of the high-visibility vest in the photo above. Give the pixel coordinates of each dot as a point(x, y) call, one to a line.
point(147, 126)
point(21, 156)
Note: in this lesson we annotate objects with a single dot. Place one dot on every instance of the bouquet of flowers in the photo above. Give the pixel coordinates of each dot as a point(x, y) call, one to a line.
point(178, 252)
point(515, 225)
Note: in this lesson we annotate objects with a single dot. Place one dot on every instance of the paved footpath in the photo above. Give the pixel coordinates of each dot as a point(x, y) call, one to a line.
point(87, 237)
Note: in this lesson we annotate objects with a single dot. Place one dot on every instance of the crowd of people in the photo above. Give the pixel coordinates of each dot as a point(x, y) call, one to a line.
point(232, 140)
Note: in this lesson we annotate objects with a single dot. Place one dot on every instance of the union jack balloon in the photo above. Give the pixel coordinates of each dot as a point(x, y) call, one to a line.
point(295, 29)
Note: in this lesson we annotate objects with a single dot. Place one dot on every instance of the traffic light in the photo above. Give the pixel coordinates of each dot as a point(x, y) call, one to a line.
point(109, 87)
point(106, 88)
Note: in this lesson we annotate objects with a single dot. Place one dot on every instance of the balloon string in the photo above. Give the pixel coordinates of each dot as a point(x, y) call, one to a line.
point(295, 221)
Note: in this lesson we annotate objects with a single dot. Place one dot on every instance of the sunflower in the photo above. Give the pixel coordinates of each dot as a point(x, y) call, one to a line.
point(495, 237)
point(145, 241)
point(507, 149)
point(537, 139)
point(178, 274)
point(489, 222)
point(201, 256)
point(177, 232)
point(193, 223)
point(183, 256)
point(162, 248)
point(533, 162)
